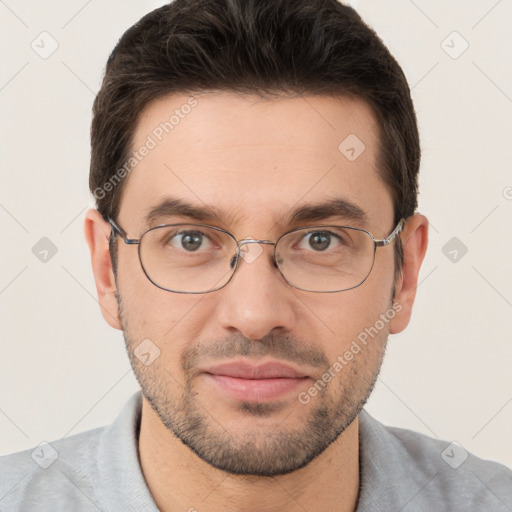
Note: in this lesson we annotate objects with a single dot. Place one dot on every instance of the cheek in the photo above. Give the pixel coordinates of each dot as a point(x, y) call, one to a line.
point(170, 320)
point(347, 316)
point(147, 311)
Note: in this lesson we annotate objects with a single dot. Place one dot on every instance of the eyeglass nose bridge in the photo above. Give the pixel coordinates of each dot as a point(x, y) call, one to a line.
point(240, 243)
point(253, 241)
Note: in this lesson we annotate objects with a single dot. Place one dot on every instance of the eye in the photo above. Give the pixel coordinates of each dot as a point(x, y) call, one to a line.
point(320, 241)
point(191, 241)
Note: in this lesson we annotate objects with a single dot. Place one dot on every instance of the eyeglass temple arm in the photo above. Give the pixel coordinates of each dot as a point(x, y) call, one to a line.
point(118, 230)
point(392, 236)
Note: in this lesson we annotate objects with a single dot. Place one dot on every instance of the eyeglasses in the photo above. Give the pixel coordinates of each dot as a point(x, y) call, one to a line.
point(197, 258)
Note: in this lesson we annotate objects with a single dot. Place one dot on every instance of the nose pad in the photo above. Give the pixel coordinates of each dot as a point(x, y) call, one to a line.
point(250, 249)
point(275, 261)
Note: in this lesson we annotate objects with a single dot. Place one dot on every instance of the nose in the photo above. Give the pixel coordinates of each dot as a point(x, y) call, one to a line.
point(257, 300)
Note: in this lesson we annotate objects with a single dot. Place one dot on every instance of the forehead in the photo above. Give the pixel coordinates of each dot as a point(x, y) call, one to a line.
point(251, 158)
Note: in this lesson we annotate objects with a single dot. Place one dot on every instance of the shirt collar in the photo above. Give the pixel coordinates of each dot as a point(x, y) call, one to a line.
point(389, 479)
point(120, 477)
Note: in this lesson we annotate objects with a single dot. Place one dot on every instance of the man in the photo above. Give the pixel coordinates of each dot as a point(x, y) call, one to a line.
point(254, 165)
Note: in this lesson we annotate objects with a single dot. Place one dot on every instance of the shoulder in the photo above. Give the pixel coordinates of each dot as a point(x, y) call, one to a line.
point(427, 471)
point(95, 470)
point(59, 471)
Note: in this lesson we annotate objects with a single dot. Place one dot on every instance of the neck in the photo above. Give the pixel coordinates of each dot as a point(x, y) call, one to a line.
point(179, 480)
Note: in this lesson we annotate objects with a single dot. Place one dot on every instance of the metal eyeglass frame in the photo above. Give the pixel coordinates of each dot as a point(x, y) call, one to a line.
point(119, 231)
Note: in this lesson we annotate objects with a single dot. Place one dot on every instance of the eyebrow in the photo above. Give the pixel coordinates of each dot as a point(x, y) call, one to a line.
point(174, 207)
point(336, 207)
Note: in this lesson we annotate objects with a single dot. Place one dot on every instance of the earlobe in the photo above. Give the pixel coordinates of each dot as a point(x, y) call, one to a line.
point(414, 241)
point(97, 233)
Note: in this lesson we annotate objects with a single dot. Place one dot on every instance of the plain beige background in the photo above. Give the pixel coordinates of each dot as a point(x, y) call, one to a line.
point(448, 375)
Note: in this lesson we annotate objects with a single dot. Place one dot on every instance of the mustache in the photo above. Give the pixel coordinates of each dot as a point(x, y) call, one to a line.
point(284, 347)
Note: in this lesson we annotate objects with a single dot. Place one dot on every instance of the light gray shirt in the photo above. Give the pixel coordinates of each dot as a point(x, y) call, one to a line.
point(400, 471)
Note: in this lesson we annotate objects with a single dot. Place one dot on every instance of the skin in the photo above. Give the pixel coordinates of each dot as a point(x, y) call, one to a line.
point(254, 160)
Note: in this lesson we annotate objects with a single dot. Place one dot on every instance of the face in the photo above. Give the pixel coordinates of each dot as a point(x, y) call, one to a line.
point(258, 377)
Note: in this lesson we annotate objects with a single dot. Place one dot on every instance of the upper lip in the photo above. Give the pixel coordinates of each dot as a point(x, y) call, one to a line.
point(244, 370)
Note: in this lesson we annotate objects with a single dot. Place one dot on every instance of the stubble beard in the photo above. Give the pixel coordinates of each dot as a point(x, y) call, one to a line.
point(267, 452)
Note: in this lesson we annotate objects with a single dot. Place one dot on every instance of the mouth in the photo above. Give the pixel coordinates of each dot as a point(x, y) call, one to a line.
point(255, 383)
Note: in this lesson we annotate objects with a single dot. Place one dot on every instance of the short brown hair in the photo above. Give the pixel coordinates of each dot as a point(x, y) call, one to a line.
point(263, 47)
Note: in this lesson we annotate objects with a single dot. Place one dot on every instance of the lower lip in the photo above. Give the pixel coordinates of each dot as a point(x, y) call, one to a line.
point(256, 390)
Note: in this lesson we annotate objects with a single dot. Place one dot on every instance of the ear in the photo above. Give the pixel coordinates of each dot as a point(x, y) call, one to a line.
point(414, 241)
point(97, 233)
